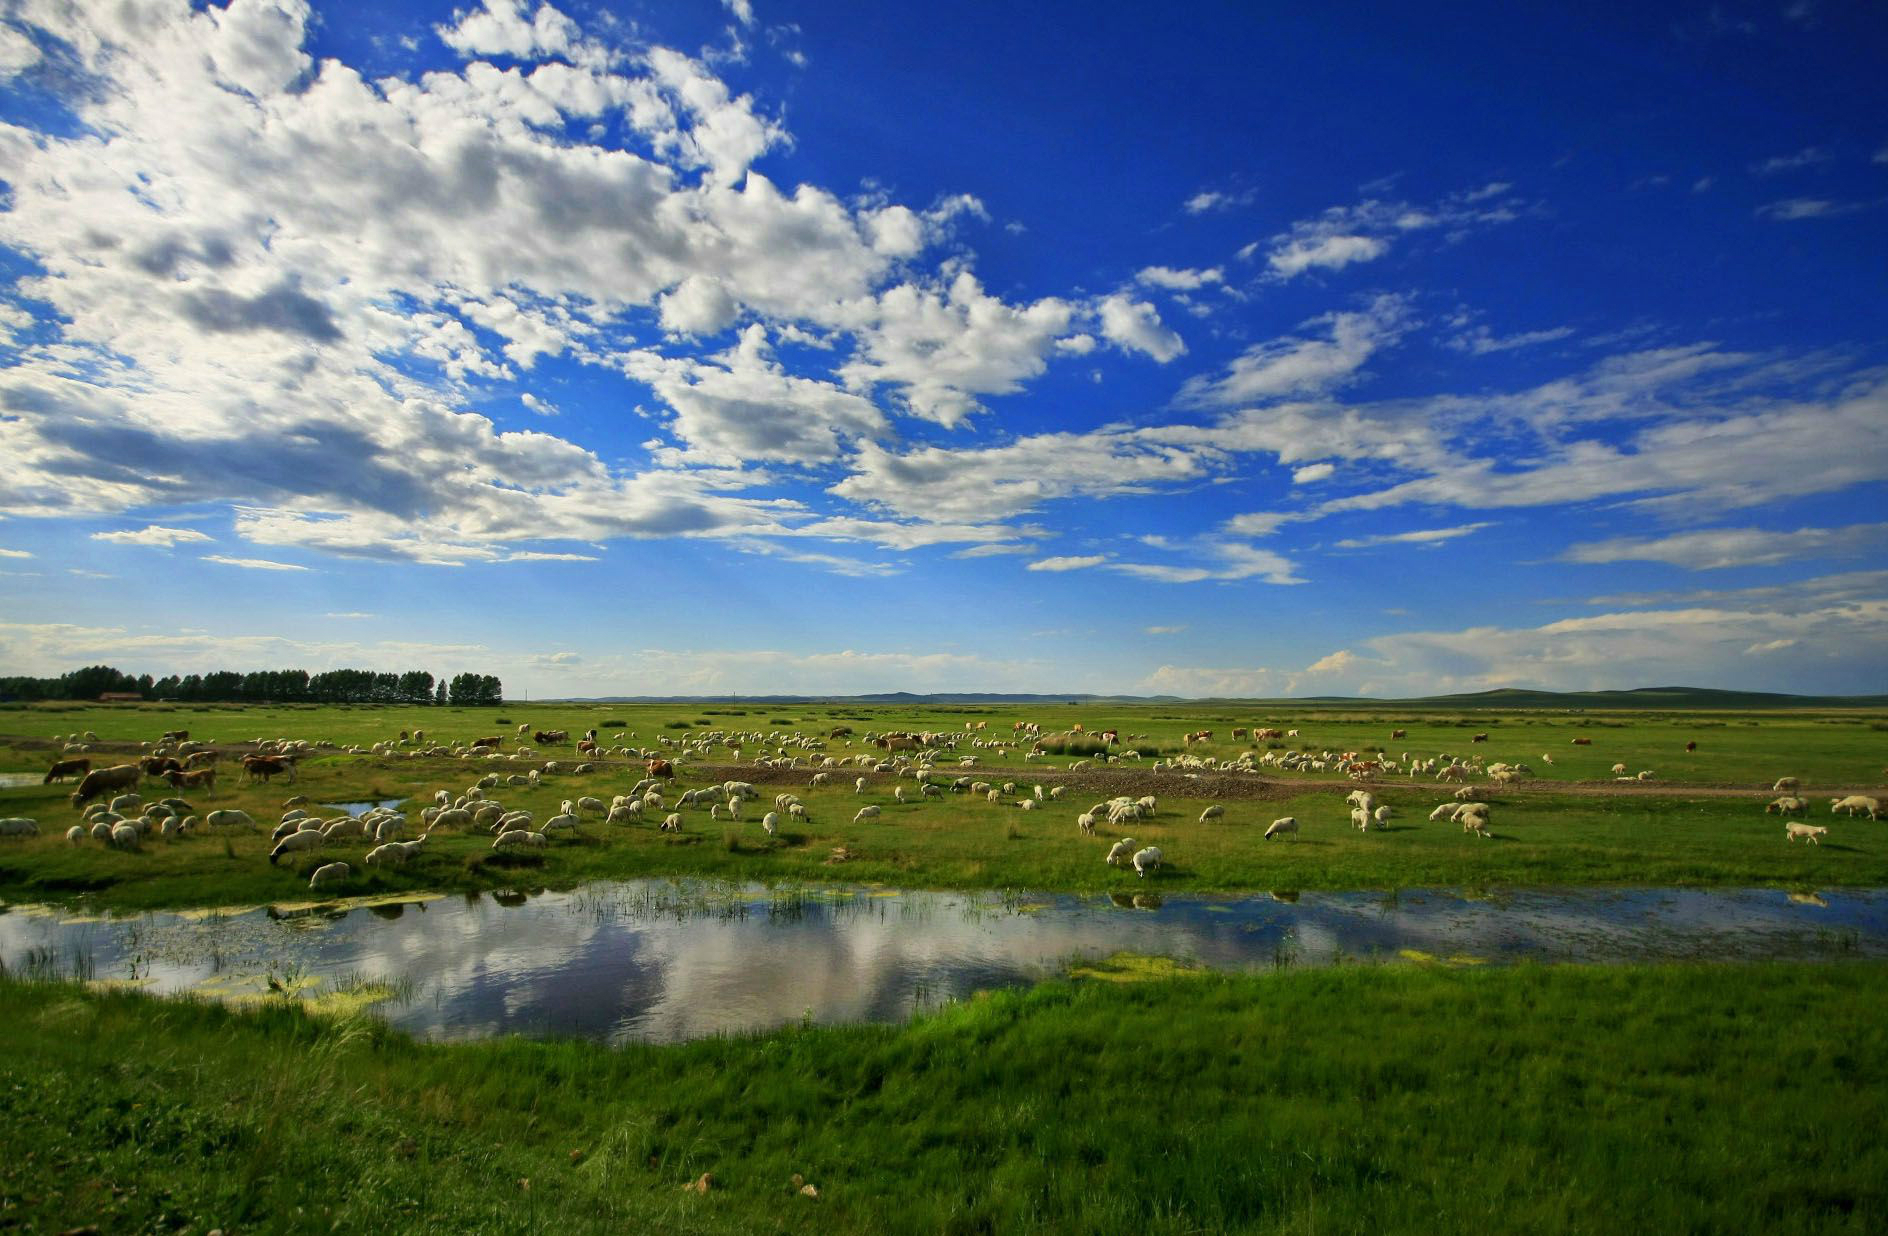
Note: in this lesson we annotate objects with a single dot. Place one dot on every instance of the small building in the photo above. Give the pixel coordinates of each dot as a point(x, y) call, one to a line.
point(120, 697)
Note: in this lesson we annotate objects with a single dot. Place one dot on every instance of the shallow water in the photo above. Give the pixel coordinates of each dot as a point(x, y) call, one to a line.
point(665, 961)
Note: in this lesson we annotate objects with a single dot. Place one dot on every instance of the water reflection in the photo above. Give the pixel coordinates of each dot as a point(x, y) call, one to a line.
point(669, 960)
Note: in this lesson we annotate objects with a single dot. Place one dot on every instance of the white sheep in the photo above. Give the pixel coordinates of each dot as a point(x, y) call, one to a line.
point(1086, 822)
point(1786, 783)
point(1618, 769)
point(76, 835)
point(19, 826)
point(1383, 815)
point(306, 839)
point(451, 817)
point(1214, 812)
point(1360, 819)
point(858, 787)
point(520, 837)
point(1808, 832)
point(329, 873)
point(1445, 811)
point(1119, 851)
point(867, 812)
point(1146, 860)
point(770, 823)
point(671, 823)
point(1280, 827)
point(565, 820)
point(124, 837)
point(1854, 803)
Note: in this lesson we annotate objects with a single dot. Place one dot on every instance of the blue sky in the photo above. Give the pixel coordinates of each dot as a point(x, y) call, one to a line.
point(756, 348)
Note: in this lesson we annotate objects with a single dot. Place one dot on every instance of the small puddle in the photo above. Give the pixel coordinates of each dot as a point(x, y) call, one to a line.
point(362, 808)
point(663, 961)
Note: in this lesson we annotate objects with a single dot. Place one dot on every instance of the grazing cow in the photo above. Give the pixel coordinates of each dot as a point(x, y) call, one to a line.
point(263, 767)
point(62, 769)
point(1583, 742)
point(661, 768)
point(106, 780)
point(843, 731)
point(1399, 733)
point(493, 740)
point(199, 759)
point(1479, 738)
point(158, 765)
point(175, 736)
point(1110, 737)
point(549, 738)
point(1198, 736)
point(1691, 746)
point(201, 779)
point(587, 747)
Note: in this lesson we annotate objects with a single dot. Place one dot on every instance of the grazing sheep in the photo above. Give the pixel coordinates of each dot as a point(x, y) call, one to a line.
point(1057, 791)
point(867, 812)
point(623, 813)
point(1618, 769)
point(76, 835)
point(394, 853)
point(305, 839)
point(671, 823)
point(1086, 822)
point(520, 837)
point(1446, 810)
point(1214, 812)
point(771, 823)
point(1383, 815)
point(19, 826)
point(1146, 860)
point(1119, 851)
point(1786, 805)
point(1360, 819)
point(1027, 804)
point(1476, 822)
point(451, 817)
point(125, 804)
point(124, 837)
point(350, 827)
point(329, 873)
point(1280, 827)
point(1786, 783)
point(1854, 803)
point(858, 787)
point(565, 820)
point(1808, 832)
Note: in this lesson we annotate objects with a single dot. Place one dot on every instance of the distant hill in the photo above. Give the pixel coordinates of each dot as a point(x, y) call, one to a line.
point(1689, 699)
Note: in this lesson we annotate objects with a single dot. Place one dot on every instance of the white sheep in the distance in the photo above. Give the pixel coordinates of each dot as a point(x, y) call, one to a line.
point(1808, 832)
point(1284, 826)
point(1214, 812)
point(868, 812)
point(1146, 860)
point(306, 839)
point(19, 826)
point(1854, 803)
point(1119, 851)
point(329, 873)
point(520, 838)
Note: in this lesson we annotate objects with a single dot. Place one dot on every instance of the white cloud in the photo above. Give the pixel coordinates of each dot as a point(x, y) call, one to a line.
point(743, 10)
point(1296, 364)
point(1344, 235)
point(253, 564)
point(1207, 201)
point(500, 28)
point(17, 53)
point(1309, 474)
point(1809, 156)
point(1200, 682)
point(1074, 563)
point(1179, 280)
point(1728, 547)
point(155, 535)
point(1480, 341)
point(349, 615)
point(1420, 536)
point(1136, 327)
point(1173, 630)
point(1767, 646)
point(15, 553)
point(1796, 208)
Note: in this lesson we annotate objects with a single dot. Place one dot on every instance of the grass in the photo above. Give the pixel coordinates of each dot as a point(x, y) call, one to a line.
point(1403, 1099)
point(1549, 833)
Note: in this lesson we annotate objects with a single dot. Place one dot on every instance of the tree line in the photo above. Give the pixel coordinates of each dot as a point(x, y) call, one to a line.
point(289, 686)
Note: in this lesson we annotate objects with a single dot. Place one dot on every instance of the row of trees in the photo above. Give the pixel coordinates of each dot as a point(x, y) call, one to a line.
point(289, 686)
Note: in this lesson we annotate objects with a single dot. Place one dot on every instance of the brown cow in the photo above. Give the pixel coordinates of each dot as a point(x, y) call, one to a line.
point(1399, 733)
point(1691, 746)
point(158, 765)
point(263, 767)
point(548, 738)
point(199, 759)
point(105, 780)
point(661, 768)
point(67, 768)
point(492, 741)
point(175, 736)
point(1583, 742)
point(1479, 738)
point(201, 779)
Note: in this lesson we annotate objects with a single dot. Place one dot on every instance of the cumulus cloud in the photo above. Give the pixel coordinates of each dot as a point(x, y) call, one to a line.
point(153, 534)
point(1136, 327)
point(15, 553)
point(1179, 280)
point(1298, 364)
point(1346, 235)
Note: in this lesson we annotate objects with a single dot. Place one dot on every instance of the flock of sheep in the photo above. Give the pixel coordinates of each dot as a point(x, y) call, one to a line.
point(125, 819)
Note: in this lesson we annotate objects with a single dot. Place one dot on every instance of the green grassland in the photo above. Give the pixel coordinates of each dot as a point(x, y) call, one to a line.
point(1554, 829)
point(1386, 1099)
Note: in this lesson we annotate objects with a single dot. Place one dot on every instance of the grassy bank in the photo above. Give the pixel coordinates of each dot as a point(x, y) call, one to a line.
point(955, 842)
point(1641, 1099)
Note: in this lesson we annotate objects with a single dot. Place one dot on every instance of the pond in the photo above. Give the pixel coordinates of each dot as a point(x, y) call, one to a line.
point(671, 960)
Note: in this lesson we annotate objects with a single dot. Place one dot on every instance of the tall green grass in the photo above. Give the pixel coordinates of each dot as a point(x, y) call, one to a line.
point(1662, 1099)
